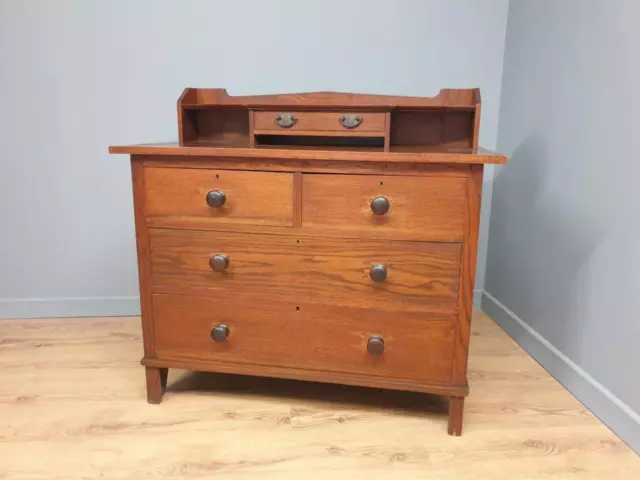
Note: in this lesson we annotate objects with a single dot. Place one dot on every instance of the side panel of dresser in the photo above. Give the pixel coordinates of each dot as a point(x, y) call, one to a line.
point(156, 377)
point(467, 273)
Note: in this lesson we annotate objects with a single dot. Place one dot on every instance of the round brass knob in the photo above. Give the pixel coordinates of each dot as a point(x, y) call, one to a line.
point(220, 333)
point(378, 273)
point(216, 198)
point(380, 205)
point(375, 345)
point(219, 263)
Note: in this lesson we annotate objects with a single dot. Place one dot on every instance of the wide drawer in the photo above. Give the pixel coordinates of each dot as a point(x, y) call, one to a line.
point(264, 331)
point(419, 275)
point(392, 206)
point(250, 198)
point(275, 122)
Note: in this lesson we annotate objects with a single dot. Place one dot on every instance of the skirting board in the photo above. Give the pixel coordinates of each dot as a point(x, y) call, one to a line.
point(69, 307)
point(612, 411)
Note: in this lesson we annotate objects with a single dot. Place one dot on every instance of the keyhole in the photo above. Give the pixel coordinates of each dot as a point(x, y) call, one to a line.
point(382, 184)
point(297, 308)
point(217, 177)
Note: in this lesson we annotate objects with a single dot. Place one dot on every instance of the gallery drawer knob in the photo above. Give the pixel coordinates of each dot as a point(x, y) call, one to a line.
point(380, 205)
point(216, 198)
point(375, 345)
point(378, 273)
point(285, 121)
point(219, 263)
point(350, 121)
point(220, 333)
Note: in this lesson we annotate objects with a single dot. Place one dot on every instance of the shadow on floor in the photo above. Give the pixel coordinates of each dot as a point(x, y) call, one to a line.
point(317, 393)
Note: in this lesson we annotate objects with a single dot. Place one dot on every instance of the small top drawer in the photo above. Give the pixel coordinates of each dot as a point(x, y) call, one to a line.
point(387, 206)
point(274, 122)
point(220, 196)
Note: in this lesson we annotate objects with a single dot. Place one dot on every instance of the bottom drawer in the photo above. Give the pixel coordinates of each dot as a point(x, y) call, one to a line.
point(266, 331)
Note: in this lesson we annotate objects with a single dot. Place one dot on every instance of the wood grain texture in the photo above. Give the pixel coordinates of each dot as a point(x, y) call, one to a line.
point(186, 120)
point(327, 338)
point(319, 121)
point(397, 154)
point(143, 253)
point(420, 275)
point(224, 126)
point(253, 198)
point(456, 408)
point(154, 384)
point(387, 131)
point(468, 272)
point(302, 166)
point(207, 97)
point(297, 200)
point(426, 205)
point(72, 406)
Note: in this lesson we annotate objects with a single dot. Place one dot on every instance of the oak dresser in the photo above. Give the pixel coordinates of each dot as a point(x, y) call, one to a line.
point(320, 236)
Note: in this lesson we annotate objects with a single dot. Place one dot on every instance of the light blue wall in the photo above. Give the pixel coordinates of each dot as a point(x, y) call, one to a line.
point(563, 262)
point(80, 75)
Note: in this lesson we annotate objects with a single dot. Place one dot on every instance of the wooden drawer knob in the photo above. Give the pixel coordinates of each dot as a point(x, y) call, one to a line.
point(219, 263)
point(220, 333)
point(380, 205)
point(216, 198)
point(378, 273)
point(375, 345)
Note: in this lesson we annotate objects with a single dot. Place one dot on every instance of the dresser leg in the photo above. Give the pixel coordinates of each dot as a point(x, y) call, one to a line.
point(456, 406)
point(156, 380)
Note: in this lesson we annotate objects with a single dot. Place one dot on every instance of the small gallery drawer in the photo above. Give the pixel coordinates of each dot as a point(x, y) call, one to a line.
point(274, 122)
point(392, 206)
point(259, 329)
point(365, 272)
point(220, 196)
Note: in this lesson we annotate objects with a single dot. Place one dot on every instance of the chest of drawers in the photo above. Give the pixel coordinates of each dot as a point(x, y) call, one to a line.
point(326, 237)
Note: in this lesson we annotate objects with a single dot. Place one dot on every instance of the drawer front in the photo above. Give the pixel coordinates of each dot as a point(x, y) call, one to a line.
point(415, 206)
point(419, 275)
point(266, 332)
point(250, 198)
point(273, 122)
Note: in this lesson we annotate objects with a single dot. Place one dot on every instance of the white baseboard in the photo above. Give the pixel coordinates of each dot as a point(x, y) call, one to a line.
point(477, 298)
point(69, 307)
point(610, 409)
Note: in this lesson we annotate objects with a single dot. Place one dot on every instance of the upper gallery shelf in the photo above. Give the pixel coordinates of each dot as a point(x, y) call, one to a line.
point(218, 97)
point(328, 125)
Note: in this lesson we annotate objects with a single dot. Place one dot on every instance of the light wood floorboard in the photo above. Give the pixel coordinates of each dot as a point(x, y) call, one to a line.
point(72, 406)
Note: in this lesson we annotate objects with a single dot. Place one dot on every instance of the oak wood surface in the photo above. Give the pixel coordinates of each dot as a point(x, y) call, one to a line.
point(319, 121)
point(305, 166)
point(254, 198)
point(73, 405)
point(396, 154)
point(421, 275)
point(420, 205)
point(456, 406)
point(138, 182)
point(467, 272)
point(451, 98)
point(265, 331)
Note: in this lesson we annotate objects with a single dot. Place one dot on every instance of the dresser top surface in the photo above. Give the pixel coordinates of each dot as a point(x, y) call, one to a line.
point(397, 154)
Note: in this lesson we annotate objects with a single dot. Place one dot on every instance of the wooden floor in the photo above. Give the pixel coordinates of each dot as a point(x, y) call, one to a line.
point(72, 406)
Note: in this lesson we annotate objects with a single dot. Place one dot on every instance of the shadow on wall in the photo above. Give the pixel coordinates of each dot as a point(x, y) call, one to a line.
point(539, 242)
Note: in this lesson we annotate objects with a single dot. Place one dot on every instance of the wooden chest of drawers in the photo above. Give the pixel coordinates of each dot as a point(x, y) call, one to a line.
point(327, 237)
